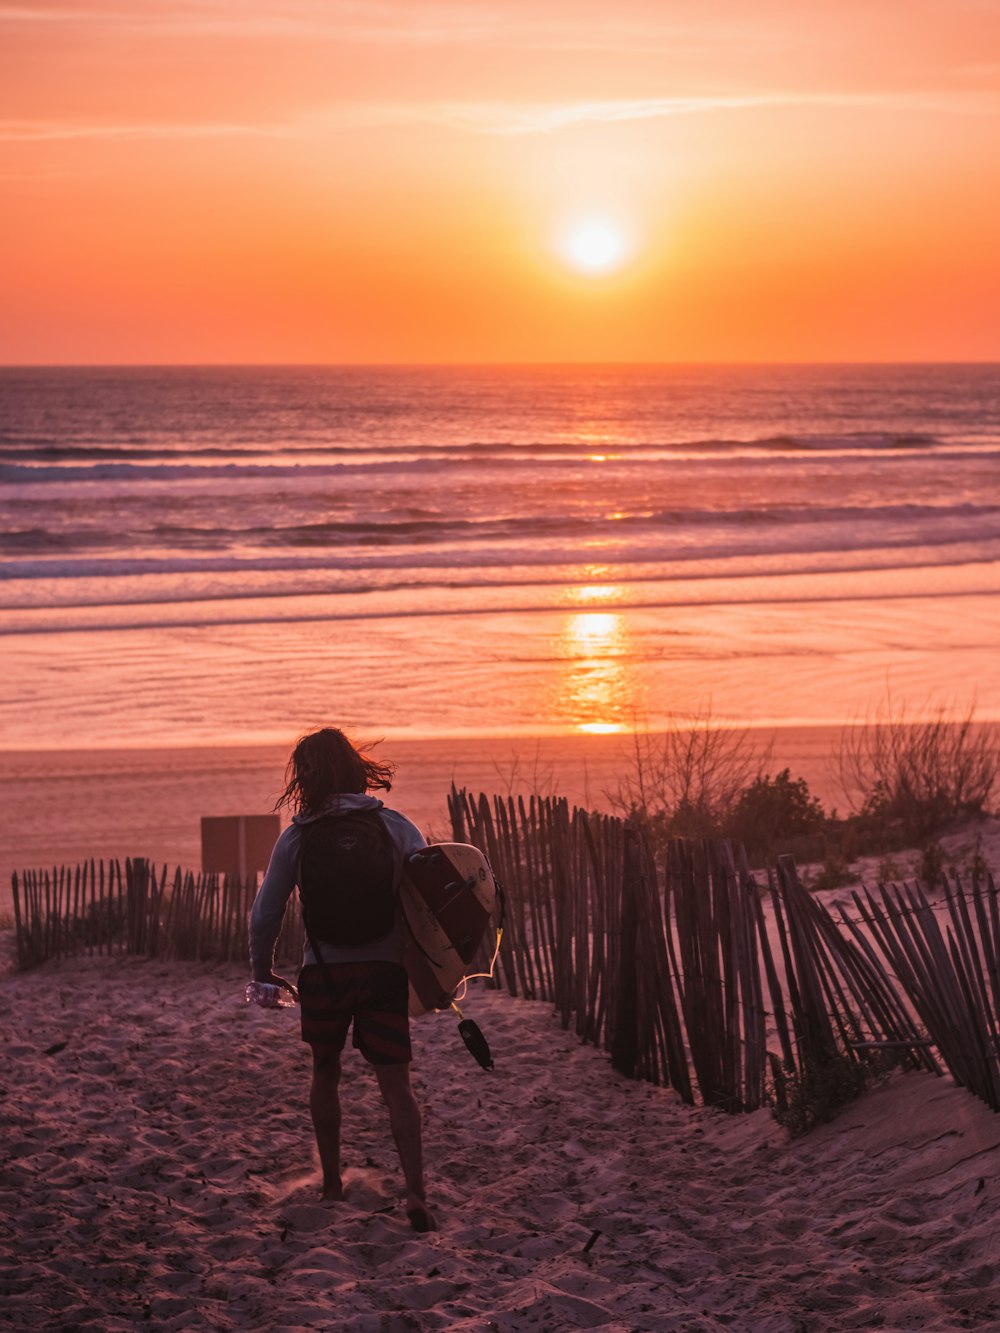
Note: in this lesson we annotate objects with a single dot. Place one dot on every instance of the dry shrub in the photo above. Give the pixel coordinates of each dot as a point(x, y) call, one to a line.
point(835, 872)
point(815, 1094)
point(918, 774)
point(526, 774)
point(775, 814)
point(687, 780)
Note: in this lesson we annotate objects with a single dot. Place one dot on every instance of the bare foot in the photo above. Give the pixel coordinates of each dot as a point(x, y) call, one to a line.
point(421, 1218)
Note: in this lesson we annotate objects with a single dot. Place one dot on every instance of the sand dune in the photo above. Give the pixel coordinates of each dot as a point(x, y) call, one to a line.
point(158, 1169)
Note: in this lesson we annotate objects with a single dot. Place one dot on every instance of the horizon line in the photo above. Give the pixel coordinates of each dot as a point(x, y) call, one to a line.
point(488, 364)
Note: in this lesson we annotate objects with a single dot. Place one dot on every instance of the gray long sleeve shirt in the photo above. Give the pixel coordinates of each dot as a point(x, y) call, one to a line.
point(269, 906)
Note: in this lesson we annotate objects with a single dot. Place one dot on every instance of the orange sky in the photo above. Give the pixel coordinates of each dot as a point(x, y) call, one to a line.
point(388, 180)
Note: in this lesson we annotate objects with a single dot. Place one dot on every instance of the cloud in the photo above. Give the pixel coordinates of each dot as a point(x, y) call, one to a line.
point(565, 25)
point(497, 119)
point(547, 119)
point(340, 20)
point(526, 118)
point(25, 131)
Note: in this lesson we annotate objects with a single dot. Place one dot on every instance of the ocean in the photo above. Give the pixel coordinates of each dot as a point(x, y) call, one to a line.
point(208, 556)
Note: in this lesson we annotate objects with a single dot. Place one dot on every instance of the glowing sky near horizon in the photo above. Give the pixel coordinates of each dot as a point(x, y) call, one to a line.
point(320, 181)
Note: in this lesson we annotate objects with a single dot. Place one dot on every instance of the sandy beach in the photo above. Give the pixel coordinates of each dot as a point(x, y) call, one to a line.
point(158, 1166)
point(158, 1169)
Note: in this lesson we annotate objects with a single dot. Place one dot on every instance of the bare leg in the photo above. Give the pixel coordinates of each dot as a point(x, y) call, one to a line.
point(324, 1103)
point(404, 1120)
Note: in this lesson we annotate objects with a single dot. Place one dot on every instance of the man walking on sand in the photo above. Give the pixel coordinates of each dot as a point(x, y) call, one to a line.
point(344, 850)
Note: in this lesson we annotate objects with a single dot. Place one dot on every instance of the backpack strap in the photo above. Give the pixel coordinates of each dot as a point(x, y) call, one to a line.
point(398, 859)
point(305, 924)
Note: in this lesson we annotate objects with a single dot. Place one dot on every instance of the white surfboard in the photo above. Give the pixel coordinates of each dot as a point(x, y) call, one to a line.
point(448, 894)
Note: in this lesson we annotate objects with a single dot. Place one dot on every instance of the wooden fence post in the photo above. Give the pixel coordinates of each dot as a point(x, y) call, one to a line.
point(456, 814)
point(19, 932)
point(625, 1038)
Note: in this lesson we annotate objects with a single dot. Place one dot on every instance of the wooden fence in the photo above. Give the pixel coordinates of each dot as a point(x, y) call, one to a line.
point(684, 968)
point(101, 908)
point(950, 974)
point(691, 973)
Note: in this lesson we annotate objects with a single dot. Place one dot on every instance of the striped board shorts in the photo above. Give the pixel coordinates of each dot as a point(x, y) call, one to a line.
point(372, 995)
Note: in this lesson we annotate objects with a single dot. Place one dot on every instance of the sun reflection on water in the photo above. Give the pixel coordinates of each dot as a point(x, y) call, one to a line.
point(597, 592)
point(596, 685)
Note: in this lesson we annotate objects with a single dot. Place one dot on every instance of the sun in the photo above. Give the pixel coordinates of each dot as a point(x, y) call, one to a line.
point(595, 245)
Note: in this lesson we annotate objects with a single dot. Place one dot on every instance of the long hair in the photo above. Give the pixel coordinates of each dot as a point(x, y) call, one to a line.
point(323, 765)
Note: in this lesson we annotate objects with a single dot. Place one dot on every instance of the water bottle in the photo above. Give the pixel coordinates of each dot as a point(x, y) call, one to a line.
point(267, 995)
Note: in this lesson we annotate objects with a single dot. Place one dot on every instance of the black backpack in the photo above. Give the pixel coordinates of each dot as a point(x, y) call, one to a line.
point(349, 872)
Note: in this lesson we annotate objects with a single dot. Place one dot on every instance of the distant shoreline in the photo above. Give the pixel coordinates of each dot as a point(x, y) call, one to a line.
point(476, 365)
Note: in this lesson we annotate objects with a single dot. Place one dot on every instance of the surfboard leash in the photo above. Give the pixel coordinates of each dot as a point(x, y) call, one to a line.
point(470, 1032)
point(477, 976)
point(501, 899)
